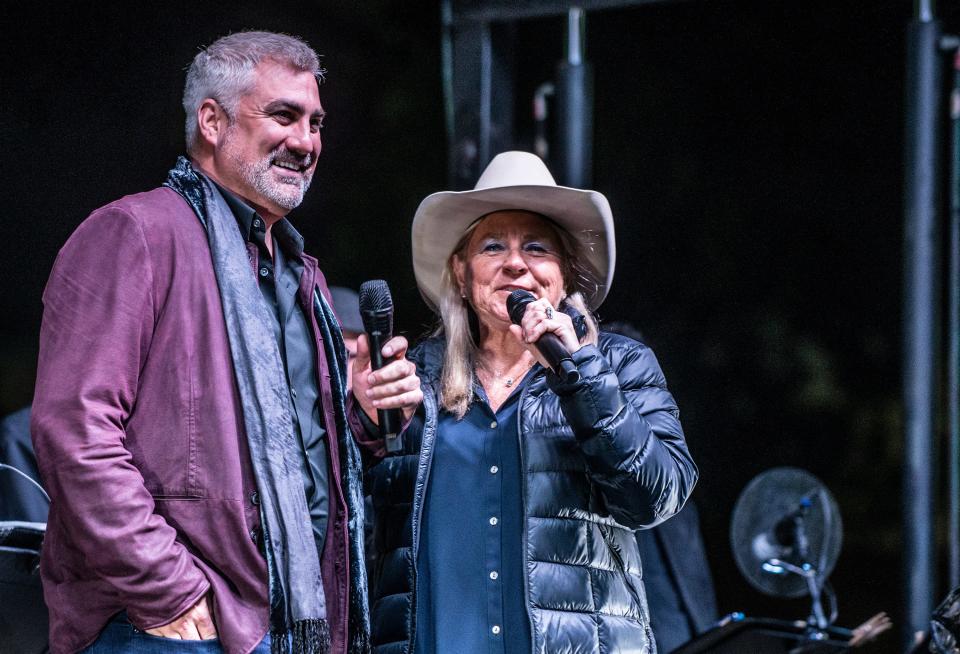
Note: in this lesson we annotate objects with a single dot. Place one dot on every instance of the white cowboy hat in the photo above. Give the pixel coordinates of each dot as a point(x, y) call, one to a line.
point(512, 181)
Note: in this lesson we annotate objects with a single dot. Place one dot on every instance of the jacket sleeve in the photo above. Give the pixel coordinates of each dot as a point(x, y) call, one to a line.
point(628, 427)
point(372, 445)
point(100, 308)
point(365, 433)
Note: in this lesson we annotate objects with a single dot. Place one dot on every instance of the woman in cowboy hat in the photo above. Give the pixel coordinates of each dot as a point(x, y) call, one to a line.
point(505, 524)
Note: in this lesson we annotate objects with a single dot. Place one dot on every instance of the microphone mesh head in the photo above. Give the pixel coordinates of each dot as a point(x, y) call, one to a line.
point(517, 304)
point(376, 306)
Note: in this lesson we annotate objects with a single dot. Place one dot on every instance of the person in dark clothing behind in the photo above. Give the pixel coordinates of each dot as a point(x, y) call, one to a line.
point(676, 573)
point(19, 499)
point(346, 304)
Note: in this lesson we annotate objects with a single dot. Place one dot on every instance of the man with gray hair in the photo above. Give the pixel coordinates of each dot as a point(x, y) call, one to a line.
point(191, 418)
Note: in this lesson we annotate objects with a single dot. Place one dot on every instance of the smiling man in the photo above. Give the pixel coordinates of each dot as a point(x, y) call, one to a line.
point(190, 417)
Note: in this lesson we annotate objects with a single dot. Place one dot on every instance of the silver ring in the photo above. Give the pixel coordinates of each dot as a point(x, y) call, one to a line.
point(549, 313)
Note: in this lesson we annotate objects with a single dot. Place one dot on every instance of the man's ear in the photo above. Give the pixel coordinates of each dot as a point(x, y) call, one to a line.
point(211, 122)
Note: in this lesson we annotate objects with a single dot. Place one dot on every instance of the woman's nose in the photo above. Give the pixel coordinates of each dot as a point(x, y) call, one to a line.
point(515, 260)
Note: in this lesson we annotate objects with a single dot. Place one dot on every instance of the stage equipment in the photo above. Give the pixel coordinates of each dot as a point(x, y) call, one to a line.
point(736, 634)
point(27, 478)
point(786, 534)
point(479, 73)
point(23, 614)
point(952, 43)
point(574, 96)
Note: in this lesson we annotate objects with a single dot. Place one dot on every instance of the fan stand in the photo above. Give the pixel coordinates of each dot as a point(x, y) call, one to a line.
point(777, 567)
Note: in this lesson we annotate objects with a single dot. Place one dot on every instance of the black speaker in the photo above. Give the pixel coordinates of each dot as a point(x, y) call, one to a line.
point(23, 614)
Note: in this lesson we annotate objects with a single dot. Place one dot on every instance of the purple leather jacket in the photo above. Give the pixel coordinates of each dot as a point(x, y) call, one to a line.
point(139, 436)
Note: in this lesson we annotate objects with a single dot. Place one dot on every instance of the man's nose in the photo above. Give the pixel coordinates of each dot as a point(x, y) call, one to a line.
point(302, 140)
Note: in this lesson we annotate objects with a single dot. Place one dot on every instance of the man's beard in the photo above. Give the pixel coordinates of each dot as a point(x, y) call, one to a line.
point(288, 191)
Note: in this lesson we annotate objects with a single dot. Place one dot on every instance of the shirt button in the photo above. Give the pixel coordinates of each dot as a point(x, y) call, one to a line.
point(254, 533)
point(494, 521)
point(495, 629)
point(493, 425)
point(254, 498)
point(293, 392)
point(494, 575)
point(494, 470)
point(256, 223)
point(264, 272)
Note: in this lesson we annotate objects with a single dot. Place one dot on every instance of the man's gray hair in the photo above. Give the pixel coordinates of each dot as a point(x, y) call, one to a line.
point(224, 70)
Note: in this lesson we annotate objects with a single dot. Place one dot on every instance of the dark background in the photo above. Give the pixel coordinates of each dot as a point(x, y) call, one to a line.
point(752, 153)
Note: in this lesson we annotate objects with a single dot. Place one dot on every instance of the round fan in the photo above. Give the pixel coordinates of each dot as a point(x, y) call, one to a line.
point(785, 532)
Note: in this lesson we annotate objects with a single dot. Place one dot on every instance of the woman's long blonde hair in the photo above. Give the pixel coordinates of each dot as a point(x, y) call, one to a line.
point(459, 359)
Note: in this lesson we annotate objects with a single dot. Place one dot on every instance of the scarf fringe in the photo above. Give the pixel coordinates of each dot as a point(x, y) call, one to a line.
point(309, 637)
point(360, 643)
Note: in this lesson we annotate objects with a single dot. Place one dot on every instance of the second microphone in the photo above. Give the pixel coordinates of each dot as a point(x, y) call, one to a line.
point(376, 311)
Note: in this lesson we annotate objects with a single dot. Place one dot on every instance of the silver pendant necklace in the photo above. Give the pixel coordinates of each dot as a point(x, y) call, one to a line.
point(509, 381)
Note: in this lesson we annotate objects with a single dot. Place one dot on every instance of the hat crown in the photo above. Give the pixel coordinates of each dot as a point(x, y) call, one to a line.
point(515, 169)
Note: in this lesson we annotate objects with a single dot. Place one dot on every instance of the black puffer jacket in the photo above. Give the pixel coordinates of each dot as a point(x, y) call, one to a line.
point(602, 457)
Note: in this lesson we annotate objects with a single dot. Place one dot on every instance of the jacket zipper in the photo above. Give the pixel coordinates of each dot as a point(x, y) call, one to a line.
point(606, 533)
point(424, 467)
point(523, 500)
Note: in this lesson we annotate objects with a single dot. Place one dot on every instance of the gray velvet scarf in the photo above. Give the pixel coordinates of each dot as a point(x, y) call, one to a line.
point(298, 606)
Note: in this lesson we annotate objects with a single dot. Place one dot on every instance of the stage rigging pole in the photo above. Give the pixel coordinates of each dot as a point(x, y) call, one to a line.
point(921, 295)
point(953, 394)
point(574, 97)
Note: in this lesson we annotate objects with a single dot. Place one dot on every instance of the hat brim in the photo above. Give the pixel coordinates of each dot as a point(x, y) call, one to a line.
point(442, 218)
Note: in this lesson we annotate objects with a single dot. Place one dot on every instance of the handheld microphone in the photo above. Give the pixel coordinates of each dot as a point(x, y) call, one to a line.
point(549, 346)
point(376, 311)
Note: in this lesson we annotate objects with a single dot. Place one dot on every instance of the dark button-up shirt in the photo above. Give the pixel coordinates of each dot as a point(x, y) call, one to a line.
point(279, 279)
point(470, 584)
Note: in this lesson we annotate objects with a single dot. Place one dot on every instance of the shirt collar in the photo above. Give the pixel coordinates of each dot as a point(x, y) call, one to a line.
point(252, 226)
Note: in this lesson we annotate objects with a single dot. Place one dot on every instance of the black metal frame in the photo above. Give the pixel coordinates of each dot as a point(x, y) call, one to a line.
point(478, 42)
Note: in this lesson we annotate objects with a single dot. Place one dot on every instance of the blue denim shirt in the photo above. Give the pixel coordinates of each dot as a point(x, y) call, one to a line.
point(470, 584)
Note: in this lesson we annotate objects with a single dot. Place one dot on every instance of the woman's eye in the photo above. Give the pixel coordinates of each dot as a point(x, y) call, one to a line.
point(536, 247)
point(492, 247)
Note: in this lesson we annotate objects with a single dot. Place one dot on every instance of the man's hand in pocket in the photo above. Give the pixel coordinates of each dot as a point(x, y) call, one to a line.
point(195, 624)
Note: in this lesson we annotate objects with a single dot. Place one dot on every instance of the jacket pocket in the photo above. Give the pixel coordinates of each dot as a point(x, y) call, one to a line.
point(639, 595)
point(161, 434)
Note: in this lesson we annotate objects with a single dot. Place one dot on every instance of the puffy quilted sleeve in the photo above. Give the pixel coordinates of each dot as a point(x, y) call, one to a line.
point(628, 427)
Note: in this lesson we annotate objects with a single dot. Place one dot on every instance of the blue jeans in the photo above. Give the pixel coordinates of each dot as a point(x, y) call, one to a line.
point(120, 637)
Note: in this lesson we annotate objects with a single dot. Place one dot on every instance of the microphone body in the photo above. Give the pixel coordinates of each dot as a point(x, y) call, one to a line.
point(376, 311)
point(549, 346)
